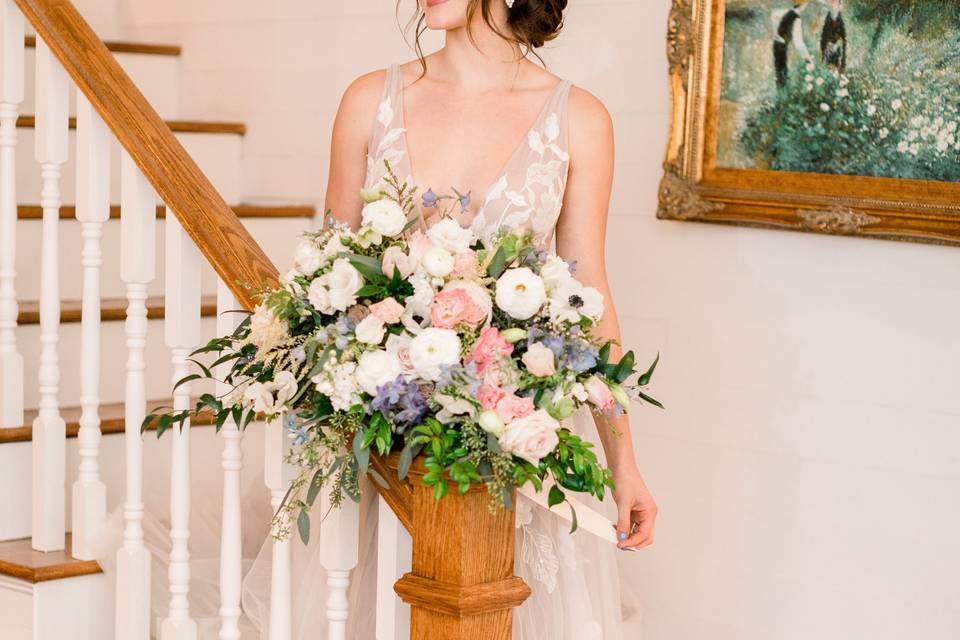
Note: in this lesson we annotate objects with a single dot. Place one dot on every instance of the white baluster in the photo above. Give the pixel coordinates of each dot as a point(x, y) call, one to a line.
point(182, 331)
point(93, 209)
point(394, 557)
point(11, 95)
point(49, 433)
point(231, 552)
point(137, 269)
point(277, 476)
point(338, 555)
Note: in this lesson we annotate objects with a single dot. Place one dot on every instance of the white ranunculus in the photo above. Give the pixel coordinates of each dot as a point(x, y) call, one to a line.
point(319, 297)
point(377, 368)
point(343, 282)
point(479, 294)
point(269, 397)
point(520, 293)
point(385, 216)
point(531, 437)
point(370, 330)
point(451, 236)
point(307, 257)
point(555, 271)
point(437, 261)
point(432, 349)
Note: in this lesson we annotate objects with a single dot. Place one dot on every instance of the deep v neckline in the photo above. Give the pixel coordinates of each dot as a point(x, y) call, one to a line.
point(504, 170)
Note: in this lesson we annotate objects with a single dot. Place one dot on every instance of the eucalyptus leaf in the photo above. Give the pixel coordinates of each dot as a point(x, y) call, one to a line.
point(303, 526)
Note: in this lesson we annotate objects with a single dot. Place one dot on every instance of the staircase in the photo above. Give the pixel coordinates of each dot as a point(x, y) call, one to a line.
point(118, 256)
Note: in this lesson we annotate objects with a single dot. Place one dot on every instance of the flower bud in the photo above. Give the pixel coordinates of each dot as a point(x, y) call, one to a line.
point(513, 335)
point(620, 395)
point(490, 422)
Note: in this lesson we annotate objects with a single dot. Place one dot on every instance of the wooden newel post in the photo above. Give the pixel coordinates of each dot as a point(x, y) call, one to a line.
point(462, 585)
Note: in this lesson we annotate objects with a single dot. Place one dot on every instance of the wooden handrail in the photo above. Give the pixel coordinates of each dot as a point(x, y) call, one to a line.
point(210, 222)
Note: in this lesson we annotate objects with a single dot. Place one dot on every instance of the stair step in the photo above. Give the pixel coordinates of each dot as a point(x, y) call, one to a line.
point(111, 421)
point(110, 309)
point(19, 560)
point(69, 212)
point(177, 126)
point(126, 47)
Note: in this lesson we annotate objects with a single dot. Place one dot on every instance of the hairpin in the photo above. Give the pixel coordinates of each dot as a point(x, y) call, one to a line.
point(509, 3)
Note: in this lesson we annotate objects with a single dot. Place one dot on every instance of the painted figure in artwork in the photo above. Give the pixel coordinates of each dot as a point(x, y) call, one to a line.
point(833, 38)
point(788, 31)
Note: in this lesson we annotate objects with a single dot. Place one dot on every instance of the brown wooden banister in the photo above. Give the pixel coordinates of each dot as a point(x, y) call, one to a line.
point(211, 223)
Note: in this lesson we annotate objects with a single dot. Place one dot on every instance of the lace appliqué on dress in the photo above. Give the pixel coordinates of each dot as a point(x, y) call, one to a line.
point(537, 550)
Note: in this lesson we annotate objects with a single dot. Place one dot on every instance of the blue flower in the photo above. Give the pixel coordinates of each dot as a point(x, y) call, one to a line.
point(579, 355)
point(400, 401)
point(429, 199)
point(464, 200)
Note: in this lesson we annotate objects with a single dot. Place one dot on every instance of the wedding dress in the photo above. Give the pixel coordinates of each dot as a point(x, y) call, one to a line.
point(578, 592)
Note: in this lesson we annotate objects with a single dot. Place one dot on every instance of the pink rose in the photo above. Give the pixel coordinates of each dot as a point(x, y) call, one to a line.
point(511, 407)
point(453, 307)
point(489, 348)
point(599, 394)
point(539, 360)
point(489, 396)
point(387, 311)
point(466, 265)
point(531, 437)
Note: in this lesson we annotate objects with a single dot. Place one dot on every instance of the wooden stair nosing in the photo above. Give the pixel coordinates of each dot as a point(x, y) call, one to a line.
point(177, 126)
point(120, 46)
point(111, 309)
point(69, 212)
point(19, 560)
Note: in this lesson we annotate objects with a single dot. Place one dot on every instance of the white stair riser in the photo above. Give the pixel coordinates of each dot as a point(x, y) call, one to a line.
point(77, 608)
point(218, 156)
point(157, 77)
point(113, 356)
point(206, 447)
point(277, 237)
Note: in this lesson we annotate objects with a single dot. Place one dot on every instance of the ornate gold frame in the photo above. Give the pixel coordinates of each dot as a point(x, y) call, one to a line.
point(693, 188)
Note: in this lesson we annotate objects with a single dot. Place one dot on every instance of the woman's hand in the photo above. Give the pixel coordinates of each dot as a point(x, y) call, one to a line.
point(636, 508)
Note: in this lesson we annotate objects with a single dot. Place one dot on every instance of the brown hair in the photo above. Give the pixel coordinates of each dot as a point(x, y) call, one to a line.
point(532, 23)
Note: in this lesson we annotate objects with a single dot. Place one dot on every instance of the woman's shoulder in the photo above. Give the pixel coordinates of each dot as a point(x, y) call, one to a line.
point(365, 90)
point(587, 112)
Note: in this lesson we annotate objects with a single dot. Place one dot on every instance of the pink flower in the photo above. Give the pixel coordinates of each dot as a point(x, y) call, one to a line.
point(418, 243)
point(453, 307)
point(599, 394)
point(466, 265)
point(489, 396)
point(531, 437)
point(387, 311)
point(491, 374)
point(511, 407)
point(395, 258)
point(539, 360)
point(489, 348)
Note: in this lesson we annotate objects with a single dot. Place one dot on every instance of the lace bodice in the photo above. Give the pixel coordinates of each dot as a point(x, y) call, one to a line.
point(529, 189)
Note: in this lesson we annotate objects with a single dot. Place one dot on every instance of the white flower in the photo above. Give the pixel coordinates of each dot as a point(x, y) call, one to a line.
point(367, 236)
point(884, 132)
point(915, 148)
point(579, 392)
point(385, 216)
point(394, 258)
point(287, 282)
point(555, 271)
point(571, 300)
point(339, 383)
point(520, 293)
point(916, 121)
point(433, 348)
point(452, 406)
point(896, 104)
point(842, 93)
point(531, 437)
point(808, 78)
point(437, 261)
point(451, 236)
point(370, 330)
point(377, 368)
point(399, 346)
point(871, 109)
point(266, 330)
point(269, 397)
point(423, 293)
point(319, 297)
point(824, 107)
point(343, 282)
point(592, 303)
point(819, 81)
point(490, 422)
point(479, 294)
point(333, 246)
point(307, 257)
point(810, 66)
point(903, 146)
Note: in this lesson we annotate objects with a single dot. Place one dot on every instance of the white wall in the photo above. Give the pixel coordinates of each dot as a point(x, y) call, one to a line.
point(808, 464)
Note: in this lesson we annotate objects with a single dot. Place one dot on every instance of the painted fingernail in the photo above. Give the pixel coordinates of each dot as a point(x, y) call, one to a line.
point(622, 535)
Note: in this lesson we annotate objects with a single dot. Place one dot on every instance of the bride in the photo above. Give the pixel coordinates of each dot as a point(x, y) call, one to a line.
point(520, 147)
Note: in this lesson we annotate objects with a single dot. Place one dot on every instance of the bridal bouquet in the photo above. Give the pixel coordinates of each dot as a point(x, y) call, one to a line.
point(467, 352)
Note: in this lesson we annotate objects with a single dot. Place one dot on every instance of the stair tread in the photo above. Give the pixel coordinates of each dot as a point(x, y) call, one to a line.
point(125, 46)
point(177, 126)
point(110, 309)
point(19, 560)
point(111, 421)
point(68, 211)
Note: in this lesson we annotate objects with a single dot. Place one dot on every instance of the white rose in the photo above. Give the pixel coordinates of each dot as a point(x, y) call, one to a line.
point(520, 293)
point(343, 282)
point(319, 297)
point(377, 368)
point(433, 348)
point(554, 272)
point(479, 294)
point(307, 257)
point(399, 345)
point(437, 261)
point(269, 397)
point(370, 330)
point(385, 216)
point(531, 437)
point(451, 236)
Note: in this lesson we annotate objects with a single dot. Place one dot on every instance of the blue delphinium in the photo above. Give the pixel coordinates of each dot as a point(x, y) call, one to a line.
point(579, 355)
point(429, 199)
point(400, 402)
point(460, 375)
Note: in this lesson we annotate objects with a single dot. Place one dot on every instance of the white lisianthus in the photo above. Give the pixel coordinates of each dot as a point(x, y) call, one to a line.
point(269, 397)
point(555, 271)
point(478, 294)
point(520, 293)
point(451, 236)
point(385, 216)
point(437, 261)
point(370, 330)
point(343, 282)
point(531, 437)
point(432, 349)
point(288, 282)
point(319, 297)
point(307, 257)
point(368, 236)
point(377, 368)
point(490, 422)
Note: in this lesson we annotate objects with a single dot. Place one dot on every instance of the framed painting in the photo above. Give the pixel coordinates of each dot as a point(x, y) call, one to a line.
point(830, 116)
